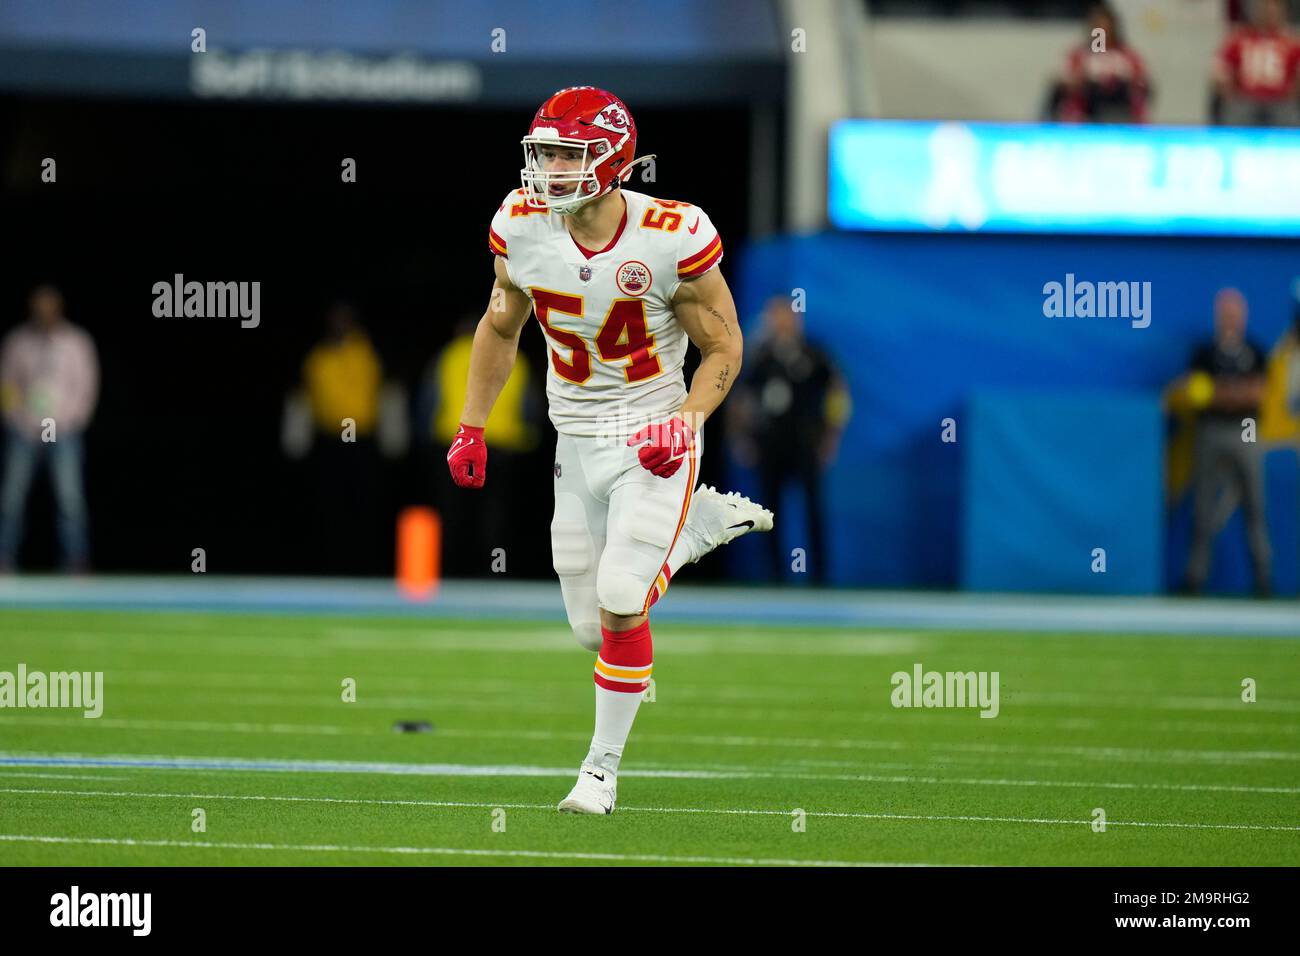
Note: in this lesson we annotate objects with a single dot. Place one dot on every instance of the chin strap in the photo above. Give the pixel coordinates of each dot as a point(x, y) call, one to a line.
point(622, 177)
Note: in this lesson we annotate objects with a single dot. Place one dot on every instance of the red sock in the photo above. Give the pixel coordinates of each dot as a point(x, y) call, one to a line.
point(625, 660)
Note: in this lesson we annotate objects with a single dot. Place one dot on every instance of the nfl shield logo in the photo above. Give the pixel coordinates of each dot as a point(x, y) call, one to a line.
point(584, 273)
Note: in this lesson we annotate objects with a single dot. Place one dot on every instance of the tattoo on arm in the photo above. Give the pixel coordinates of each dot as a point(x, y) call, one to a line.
point(724, 376)
point(723, 319)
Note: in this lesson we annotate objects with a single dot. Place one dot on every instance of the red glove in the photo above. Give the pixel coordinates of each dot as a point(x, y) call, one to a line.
point(663, 446)
point(467, 457)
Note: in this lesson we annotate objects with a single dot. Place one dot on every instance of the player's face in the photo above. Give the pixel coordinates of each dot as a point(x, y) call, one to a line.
point(561, 159)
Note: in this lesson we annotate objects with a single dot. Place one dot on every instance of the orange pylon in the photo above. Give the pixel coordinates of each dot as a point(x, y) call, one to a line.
point(419, 552)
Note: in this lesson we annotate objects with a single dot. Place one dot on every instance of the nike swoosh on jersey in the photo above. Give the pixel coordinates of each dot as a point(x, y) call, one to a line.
point(691, 229)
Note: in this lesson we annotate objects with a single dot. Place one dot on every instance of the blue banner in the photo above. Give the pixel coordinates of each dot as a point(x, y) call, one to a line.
point(1062, 492)
point(997, 177)
point(921, 324)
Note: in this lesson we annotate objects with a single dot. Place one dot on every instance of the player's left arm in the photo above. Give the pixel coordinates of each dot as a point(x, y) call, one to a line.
point(707, 314)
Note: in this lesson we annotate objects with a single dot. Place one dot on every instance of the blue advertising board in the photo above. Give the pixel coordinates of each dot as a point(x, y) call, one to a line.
point(999, 177)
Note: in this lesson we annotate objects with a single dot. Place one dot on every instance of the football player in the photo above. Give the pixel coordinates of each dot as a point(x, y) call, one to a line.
point(619, 282)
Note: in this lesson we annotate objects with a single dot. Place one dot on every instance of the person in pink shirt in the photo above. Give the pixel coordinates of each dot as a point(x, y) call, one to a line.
point(49, 382)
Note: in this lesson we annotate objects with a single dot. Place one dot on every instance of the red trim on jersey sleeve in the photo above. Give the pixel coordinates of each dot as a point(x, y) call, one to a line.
point(702, 261)
point(496, 245)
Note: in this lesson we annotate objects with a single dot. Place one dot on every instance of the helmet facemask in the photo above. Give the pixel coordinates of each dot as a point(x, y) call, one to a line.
point(582, 180)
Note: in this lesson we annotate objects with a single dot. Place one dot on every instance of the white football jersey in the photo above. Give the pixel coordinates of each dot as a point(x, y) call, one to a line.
point(616, 348)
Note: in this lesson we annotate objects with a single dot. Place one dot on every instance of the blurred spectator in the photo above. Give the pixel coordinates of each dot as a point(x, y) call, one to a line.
point(342, 375)
point(1104, 79)
point(475, 525)
point(1226, 383)
point(1257, 71)
point(1279, 416)
point(1291, 375)
point(342, 380)
point(49, 383)
point(790, 412)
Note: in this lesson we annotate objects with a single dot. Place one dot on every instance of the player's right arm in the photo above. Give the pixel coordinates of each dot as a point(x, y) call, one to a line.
point(496, 342)
point(491, 360)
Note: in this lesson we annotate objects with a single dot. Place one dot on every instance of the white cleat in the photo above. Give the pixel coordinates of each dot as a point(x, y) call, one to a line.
point(594, 792)
point(715, 519)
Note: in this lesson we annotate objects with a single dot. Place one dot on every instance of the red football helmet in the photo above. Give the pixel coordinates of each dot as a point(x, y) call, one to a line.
point(586, 119)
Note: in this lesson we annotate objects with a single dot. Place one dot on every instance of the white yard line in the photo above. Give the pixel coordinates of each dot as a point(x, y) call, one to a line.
point(185, 726)
point(781, 771)
point(648, 770)
point(846, 815)
point(443, 851)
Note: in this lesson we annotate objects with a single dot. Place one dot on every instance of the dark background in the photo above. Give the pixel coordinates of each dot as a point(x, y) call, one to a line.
point(185, 451)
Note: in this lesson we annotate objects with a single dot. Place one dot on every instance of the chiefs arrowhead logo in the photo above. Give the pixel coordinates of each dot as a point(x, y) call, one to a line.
point(612, 118)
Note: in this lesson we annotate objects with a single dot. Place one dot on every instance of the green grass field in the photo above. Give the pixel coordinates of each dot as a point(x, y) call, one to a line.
point(747, 725)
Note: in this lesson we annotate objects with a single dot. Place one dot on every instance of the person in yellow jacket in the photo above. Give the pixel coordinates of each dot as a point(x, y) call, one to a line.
point(1278, 409)
point(508, 422)
point(1222, 389)
point(1279, 414)
point(342, 378)
point(478, 534)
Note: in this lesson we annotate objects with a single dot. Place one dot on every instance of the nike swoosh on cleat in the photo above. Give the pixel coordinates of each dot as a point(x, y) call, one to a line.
point(743, 524)
point(598, 776)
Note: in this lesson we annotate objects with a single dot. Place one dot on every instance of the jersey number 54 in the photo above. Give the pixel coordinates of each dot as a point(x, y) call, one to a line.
point(622, 336)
